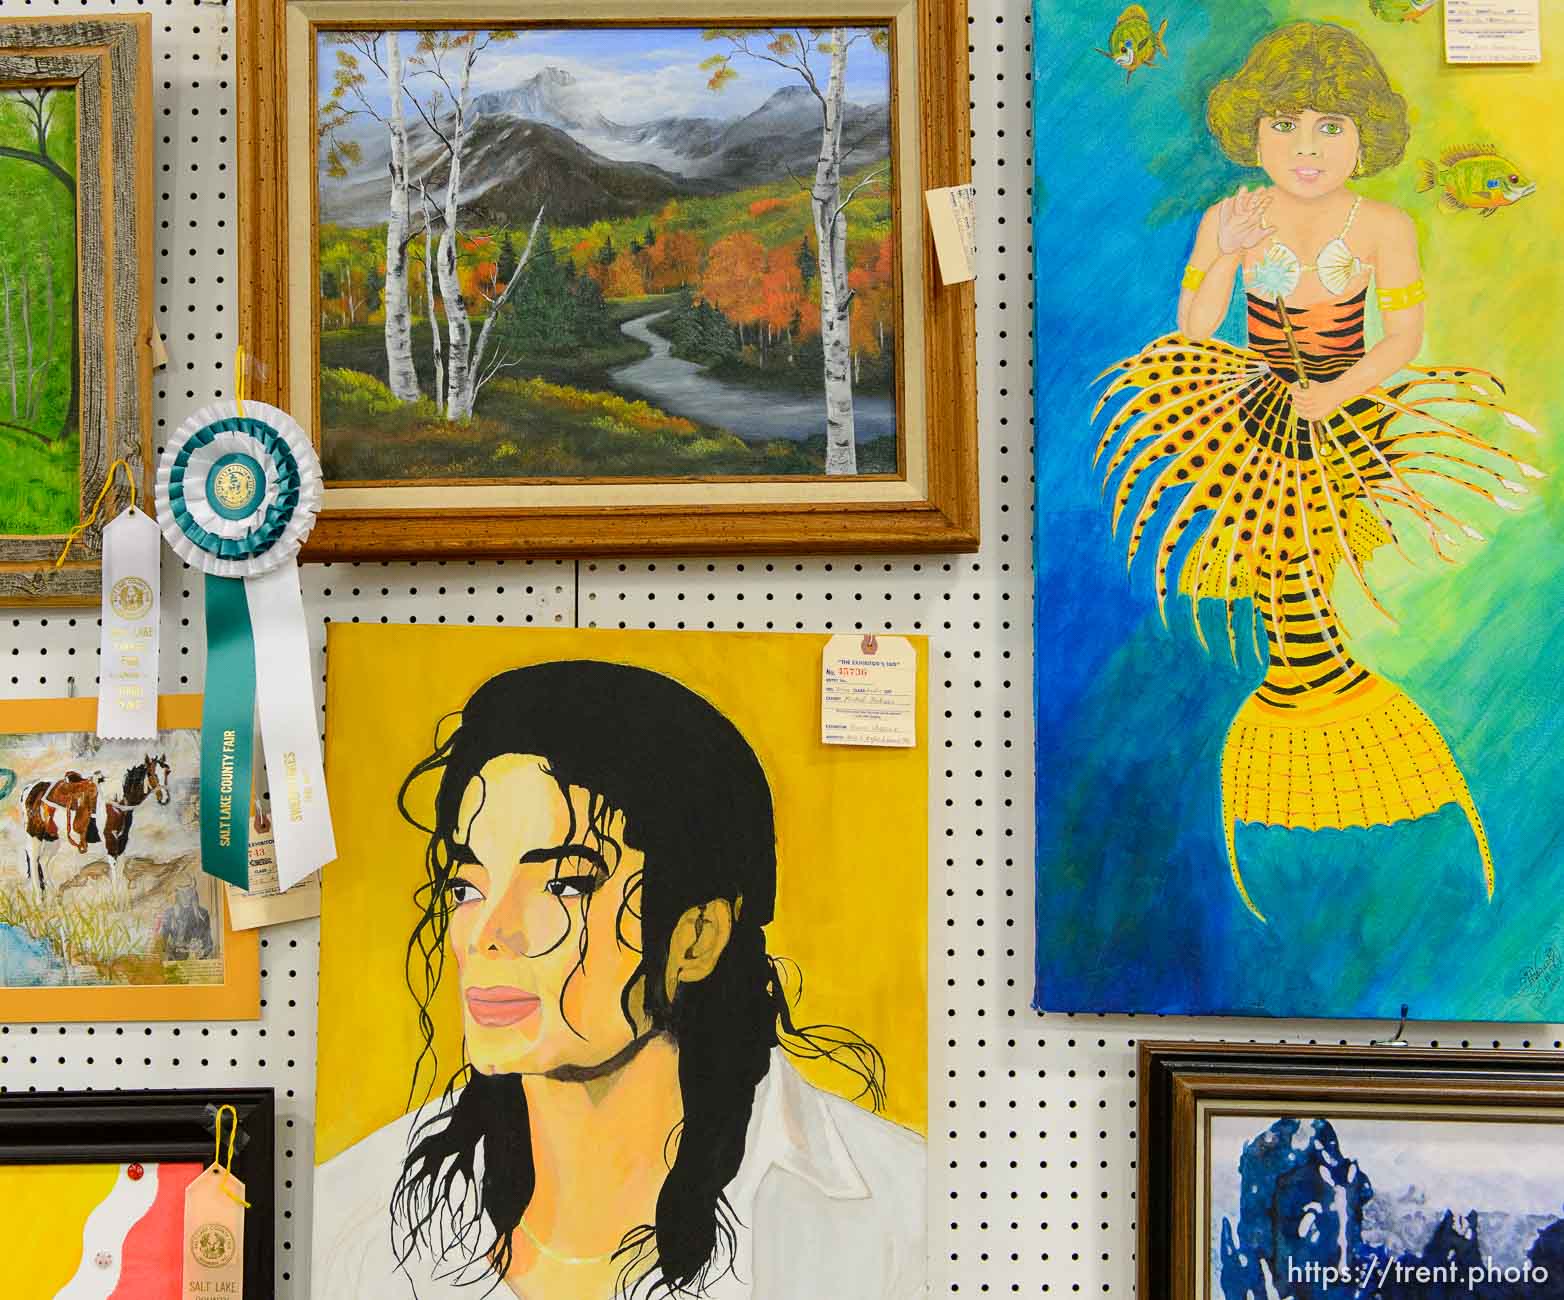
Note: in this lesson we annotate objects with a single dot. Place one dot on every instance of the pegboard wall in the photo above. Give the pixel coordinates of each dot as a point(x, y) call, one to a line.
point(1032, 1118)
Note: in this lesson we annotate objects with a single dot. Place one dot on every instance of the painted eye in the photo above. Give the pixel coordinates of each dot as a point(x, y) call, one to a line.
point(1514, 180)
point(1331, 128)
point(461, 891)
point(1284, 124)
point(572, 886)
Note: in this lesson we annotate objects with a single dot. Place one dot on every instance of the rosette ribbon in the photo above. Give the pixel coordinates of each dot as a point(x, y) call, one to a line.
point(238, 490)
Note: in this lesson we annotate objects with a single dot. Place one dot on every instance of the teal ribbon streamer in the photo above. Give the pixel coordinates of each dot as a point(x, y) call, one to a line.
point(227, 732)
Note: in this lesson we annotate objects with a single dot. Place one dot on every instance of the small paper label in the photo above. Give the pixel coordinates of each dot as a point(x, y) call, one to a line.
point(127, 693)
point(265, 902)
point(159, 351)
point(953, 223)
point(1493, 31)
point(213, 1257)
point(869, 692)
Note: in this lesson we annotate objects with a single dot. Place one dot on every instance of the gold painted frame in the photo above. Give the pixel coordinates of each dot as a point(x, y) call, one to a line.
point(109, 63)
point(238, 997)
point(931, 506)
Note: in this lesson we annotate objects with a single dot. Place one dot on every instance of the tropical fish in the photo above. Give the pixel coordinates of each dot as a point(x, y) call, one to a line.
point(1133, 44)
point(1401, 11)
point(1475, 178)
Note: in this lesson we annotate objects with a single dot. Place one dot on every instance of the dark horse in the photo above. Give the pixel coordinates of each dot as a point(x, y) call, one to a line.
point(68, 807)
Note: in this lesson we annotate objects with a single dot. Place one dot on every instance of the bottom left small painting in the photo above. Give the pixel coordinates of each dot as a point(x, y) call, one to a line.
point(105, 912)
point(111, 1232)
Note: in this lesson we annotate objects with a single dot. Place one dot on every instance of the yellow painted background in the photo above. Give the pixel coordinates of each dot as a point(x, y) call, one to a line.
point(46, 1208)
point(852, 846)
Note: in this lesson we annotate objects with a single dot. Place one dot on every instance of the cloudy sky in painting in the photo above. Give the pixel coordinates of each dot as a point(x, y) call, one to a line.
point(637, 74)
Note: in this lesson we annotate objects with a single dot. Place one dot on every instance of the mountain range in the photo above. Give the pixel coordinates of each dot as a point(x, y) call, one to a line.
point(544, 140)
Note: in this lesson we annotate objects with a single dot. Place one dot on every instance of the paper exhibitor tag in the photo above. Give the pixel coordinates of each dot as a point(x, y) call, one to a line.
point(953, 223)
point(127, 693)
point(869, 692)
point(213, 1255)
point(1493, 31)
point(265, 902)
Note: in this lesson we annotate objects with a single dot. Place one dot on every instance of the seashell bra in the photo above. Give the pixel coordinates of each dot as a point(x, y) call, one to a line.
point(1278, 272)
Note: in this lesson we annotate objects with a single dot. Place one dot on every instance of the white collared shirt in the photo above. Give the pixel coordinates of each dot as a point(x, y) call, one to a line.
point(831, 1200)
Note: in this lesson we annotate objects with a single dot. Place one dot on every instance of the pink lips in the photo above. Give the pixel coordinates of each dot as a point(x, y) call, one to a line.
point(501, 1005)
point(1306, 174)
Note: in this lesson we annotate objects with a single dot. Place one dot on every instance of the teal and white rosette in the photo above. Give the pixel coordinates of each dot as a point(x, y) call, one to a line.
point(238, 490)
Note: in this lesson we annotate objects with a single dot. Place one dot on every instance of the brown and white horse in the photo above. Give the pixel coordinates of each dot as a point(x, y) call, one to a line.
point(68, 808)
point(151, 776)
point(51, 809)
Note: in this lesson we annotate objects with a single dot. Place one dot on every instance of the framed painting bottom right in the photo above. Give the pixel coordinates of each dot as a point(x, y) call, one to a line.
point(1278, 1172)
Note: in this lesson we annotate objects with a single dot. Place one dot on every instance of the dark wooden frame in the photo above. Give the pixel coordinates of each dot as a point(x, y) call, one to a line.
point(163, 1126)
point(1176, 1077)
point(945, 520)
point(109, 60)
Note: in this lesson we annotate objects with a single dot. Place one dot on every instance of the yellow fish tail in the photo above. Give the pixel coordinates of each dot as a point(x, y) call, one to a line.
point(1160, 42)
point(1427, 176)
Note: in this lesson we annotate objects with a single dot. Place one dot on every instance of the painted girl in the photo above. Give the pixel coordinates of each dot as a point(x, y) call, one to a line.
point(1300, 455)
point(600, 871)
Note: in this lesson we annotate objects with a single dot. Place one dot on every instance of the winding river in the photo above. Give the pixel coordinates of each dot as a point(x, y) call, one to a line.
point(684, 388)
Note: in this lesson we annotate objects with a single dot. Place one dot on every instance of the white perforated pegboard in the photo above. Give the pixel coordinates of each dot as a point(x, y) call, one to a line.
point(1032, 1119)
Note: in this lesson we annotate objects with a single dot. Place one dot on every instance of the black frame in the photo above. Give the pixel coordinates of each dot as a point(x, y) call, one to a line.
point(157, 1126)
point(1176, 1077)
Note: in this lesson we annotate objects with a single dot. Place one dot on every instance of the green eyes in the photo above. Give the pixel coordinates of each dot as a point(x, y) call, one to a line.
point(1286, 126)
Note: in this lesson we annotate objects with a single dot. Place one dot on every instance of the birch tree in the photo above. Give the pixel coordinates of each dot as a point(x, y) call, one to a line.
point(792, 50)
point(349, 99)
point(445, 60)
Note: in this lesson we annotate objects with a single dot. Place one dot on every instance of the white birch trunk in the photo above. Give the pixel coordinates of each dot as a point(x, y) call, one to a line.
point(434, 321)
point(27, 334)
point(10, 338)
point(402, 375)
point(841, 449)
point(458, 328)
point(475, 378)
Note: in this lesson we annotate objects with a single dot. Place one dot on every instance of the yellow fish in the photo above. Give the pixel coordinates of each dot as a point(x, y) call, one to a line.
point(1133, 44)
point(1477, 178)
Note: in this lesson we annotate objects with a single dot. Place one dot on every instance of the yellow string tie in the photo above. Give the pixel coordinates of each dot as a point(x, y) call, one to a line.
point(227, 1167)
point(97, 505)
point(239, 379)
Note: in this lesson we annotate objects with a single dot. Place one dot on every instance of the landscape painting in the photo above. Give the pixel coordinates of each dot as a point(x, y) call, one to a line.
point(105, 912)
point(607, 253)
point(1384, 1207)
point(40, 442)
point(1298, 473)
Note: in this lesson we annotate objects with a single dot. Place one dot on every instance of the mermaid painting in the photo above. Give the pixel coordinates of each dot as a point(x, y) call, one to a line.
point(1285, 462)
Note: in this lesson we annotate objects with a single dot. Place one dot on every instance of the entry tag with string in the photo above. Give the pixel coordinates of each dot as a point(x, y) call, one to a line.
point(869, 692)
point(213, 1258)
point(127, 673)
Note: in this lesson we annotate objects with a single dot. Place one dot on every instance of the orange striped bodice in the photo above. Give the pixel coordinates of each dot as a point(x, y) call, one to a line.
point(1329, 336)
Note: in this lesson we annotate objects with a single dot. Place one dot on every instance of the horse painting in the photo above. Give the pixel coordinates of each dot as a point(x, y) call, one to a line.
point(151, 776)
point(69, 807)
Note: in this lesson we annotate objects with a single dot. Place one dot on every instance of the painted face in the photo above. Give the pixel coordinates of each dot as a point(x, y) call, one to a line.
point(1308, 154)
point(545, 923)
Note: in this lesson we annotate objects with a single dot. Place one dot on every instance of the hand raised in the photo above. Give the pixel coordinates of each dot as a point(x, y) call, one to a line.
point(1240, 220)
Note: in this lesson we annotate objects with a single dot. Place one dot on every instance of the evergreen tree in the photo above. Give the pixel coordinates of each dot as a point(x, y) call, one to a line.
point(808, 264)
point(506, 266)
point(605, 255)
point(651, 237)
point(374, 282)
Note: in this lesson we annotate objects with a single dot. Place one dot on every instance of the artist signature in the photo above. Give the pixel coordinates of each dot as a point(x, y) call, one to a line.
point(1543, 975)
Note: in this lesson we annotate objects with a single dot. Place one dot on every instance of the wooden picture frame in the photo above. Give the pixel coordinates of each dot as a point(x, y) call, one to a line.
point(1199, 1100)
point(931, 505)
point(106, 66)
point(45, 1130)
point(237, 996)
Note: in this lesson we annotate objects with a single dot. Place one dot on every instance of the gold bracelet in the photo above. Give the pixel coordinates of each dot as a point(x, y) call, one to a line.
point(1401, 299)
point(1193, 278)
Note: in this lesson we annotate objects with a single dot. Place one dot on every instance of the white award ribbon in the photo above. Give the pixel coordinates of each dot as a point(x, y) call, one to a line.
point(127, 673)
point(290, 736)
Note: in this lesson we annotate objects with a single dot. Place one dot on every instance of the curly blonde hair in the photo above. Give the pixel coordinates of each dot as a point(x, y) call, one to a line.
point(1309, 65)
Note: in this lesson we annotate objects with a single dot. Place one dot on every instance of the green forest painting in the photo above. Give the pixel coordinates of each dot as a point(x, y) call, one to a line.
point(515, 285)
point(40, 448)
